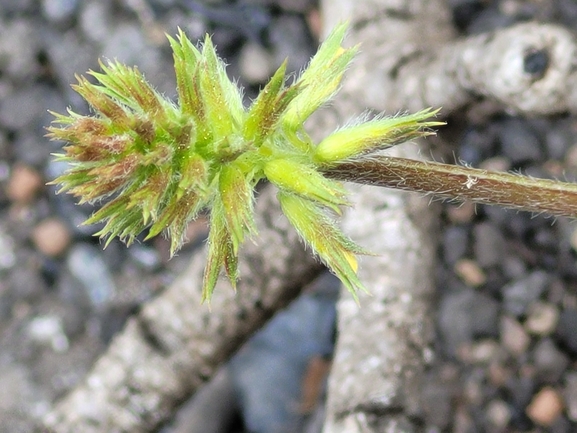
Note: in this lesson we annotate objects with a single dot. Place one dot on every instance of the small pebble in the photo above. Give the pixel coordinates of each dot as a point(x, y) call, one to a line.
point(498, 413)
point(550, 363)
point(436, 397)
point(19, 43)
point(573, 239)
point(48, 330)
point(496, 163)
point(518, 142)
point(58, 11)
point(51, 237)
point(570, 394)
point(513, 267)
point(566, 329)
point(455, 242)
point(24, 184)
point(472, 387)
point(489, 245)
point(513, 336)
point(545, 406)
point(498, 374)
point(571, 157)
point(480, 352)
point(86, 264)
point(470, 272)
point(255, 64)
point(520, 293)
point(464, 316)
point(462, 213)
point(462, 421)
point(542, 318)
point(7, 251)
point(473, 145)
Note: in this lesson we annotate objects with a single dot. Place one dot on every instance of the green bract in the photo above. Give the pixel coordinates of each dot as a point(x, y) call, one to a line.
point(159, 163)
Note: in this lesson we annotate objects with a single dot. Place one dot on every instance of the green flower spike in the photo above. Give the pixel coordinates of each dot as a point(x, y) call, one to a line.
point(157, 163)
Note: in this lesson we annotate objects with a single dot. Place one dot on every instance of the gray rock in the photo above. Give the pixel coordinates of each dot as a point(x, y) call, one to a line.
point(558, 139)
point(145, 257)
point(59, 11)
point(95, 18)
point(297, 6)
point(69, 56)
point(268, 371)
point(31, 149)
point(488, 19)
point(21, 111)
point(498, 414)
point(488, 244)
point(542, 318)
point(7, 250)
point(436, 397)
point(211, 410)
point(474, 145)
point(513, 336)
point(165, 4)
point(86, 264)
point(255, 64)
point(519, 294)
point(570, 394)
point(519, 143)
point(19, 47)
point(513, 267)
point(550, 362)
point(24, 280)
point(48, 330)
point(466, 315)
point(455, 243)
point(127, 44)
point(290, 40)
point(19, 395)
point(566, 329)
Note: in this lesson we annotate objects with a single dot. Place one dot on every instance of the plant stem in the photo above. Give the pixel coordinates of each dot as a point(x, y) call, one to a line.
point(462, 183)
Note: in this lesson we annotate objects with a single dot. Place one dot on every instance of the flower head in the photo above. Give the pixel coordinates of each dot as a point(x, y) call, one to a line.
point(157, 163)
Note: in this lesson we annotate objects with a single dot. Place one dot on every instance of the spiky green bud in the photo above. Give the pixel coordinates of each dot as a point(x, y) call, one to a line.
point(159, 163)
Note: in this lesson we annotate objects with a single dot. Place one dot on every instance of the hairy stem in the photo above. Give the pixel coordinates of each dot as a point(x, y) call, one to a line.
point(462, 183)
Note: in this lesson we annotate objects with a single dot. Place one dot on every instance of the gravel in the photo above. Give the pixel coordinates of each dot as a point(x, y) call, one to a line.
point(507, 308)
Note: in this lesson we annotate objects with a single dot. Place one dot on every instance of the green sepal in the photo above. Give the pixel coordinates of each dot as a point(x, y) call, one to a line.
point(321, 79)
point(103, 103)
point(237, 204)
point(186, 60)
point(148, 197)
point(305, 181)
point(71, 178)
point(175, 216)
point(220, 253)
point(269, 106)
point(221, 97)
point(321, 234)
point(373, 135)
point(193, 174)
point(129, 87)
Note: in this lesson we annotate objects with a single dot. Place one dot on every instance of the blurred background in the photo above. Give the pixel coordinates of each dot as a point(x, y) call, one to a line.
point(507, 317)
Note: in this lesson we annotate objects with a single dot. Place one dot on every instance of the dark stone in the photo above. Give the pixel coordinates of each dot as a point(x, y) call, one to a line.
point(455, 243)
point(567, 330)
point(518, 295)
point(549, 361)
point(488, 245)
point(466, 315)
point(518, 142)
